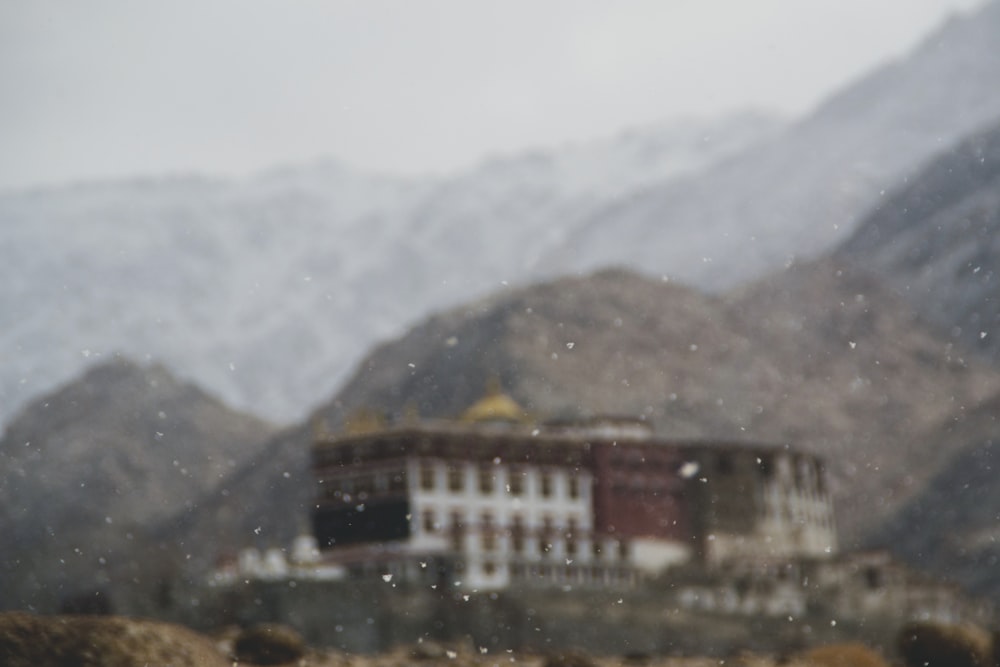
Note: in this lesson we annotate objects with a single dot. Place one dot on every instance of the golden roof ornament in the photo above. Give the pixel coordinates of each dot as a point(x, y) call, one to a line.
point(495, 405)
point(364, 420)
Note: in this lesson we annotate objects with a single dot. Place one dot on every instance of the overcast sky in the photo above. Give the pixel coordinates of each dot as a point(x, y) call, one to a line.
point(110, 88)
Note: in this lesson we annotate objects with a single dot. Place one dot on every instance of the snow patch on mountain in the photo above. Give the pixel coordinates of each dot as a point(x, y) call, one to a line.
point(268, 290)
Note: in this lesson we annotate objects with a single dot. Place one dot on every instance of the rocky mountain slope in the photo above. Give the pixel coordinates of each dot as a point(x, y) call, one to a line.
point(266, 290)
point(801, 193)
point(951, 526)
point(937, 242)
point(86, 469)
point(817, 357)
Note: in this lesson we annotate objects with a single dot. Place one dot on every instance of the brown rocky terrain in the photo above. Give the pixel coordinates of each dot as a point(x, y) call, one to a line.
point(935, 241)
point(27, 640)
point(949, 524)
point(871, 379)
point(87, 469)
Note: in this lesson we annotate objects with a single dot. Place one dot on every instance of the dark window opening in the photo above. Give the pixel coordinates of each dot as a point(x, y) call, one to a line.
point(456, 478)
point(486, 480)
point(516, 482)
point(427, 476)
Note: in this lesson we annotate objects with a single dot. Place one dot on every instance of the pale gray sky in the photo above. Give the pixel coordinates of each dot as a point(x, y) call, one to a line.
point(109, 88)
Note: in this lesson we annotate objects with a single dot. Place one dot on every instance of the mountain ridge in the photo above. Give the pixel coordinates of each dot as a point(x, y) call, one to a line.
point(217, 277)
point(801, 193)
point(936, 240)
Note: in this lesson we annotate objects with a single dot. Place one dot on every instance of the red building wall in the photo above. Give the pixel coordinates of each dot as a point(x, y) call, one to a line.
point(638, 491)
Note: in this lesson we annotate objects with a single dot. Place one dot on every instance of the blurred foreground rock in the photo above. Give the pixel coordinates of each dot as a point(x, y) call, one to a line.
point(943, 645)
point(842, 655)
point(27, 640)
point(269, 644)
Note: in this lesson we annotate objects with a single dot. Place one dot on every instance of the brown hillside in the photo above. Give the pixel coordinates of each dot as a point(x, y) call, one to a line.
point(85, 470)
point(814, 357)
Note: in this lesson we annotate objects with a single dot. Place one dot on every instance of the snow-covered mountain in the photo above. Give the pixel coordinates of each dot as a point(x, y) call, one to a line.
point(796, 196)
point(268, 290)
point(937, 241)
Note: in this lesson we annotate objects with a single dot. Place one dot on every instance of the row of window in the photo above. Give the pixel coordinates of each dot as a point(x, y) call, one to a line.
point(487, 480)
point(365, 485)
point(546, 537)
point(564, 573)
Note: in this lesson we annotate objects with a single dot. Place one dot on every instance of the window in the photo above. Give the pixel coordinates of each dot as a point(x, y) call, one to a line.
point(489, 568)
point(516, 485)
point(489, 533)
point(767, 467)
point(456, 477)
point(570, 546)
point(457, 532)
point(517, 534)
point(427, 476)
point(486, 479)
point(397, 481)
point(430, 521)
point(545, 481)
point(574, 486)
point(545, 539)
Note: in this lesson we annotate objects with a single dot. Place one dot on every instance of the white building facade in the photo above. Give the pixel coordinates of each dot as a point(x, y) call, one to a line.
point(489, 504)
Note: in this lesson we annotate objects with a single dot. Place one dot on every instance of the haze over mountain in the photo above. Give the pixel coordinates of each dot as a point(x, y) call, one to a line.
point(937, 241)
point(267, 290)
point(796, 196)
point(950, 527)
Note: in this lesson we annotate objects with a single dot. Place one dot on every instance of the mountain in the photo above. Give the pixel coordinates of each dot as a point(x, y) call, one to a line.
point(867, 366)
point(951, 526)
point(936, 240)
point(86, 469)
point(267, 290)
point(817, 357)
point(804, 191)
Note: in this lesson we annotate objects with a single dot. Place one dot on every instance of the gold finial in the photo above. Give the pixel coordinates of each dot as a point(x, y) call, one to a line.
point(364, 420)
point(495, 405)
